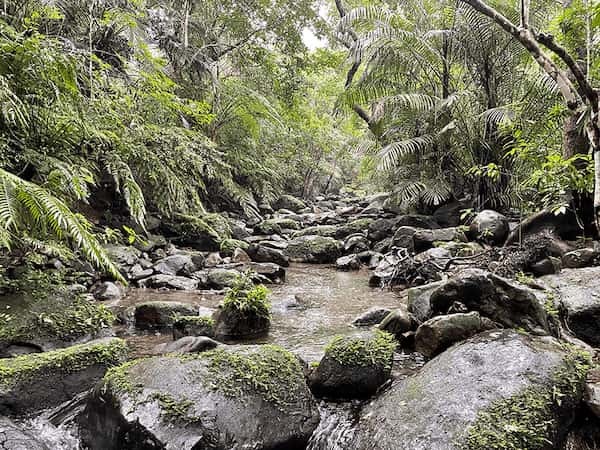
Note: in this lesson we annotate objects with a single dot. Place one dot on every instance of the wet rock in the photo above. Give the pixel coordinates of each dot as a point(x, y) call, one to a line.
point(15, 437)
point(221, 278)
point(580, 258)
point(264, 254)
point(355, 226)
point(354, 366)
point(403, 237)
point(417, 221)
point(356, 243)
point(233, 324)
point(424, 239)
point(204, 232)
point(240, 256)
point(491, 391)
point(371, 317)
point(381, 229)
point(169, 282)
point(439, 333)
point(151, 315)
point(175, 265)
point(229, 246)
point(251, 397)
point(348, 263)
point(546, 266)
point(107, 291)
point(266, 272)
point(137, 273)
point(504, 301)
point(383, 246)
point(213, 260)
point(490, 227)
point(43, 380)
point(384, 270)
point(578, 294)
point(313, 249)
point(317, 230)
point(186, 344)
point(193, 326)
point(398, 322)
point(289, 202)
point(122, 255)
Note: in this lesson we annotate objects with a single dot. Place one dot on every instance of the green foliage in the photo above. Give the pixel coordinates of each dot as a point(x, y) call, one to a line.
point(246, 298)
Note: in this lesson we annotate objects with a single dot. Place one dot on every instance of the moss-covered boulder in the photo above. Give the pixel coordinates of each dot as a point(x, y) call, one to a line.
point(317, 230)
point(193, 326)
point(314, 249)
point(289, 202)
point(42, 380)
point(40, 312)
point(228, 246)
point(497, 390)
point(276, 226)
point(265, 254)
point(204, 232)
point(251, 397)
point(354, 366)
point(355, 226)
point(157, 314)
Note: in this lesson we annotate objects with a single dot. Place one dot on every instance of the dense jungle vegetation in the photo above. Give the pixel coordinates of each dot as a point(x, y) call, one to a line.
point(113, 110)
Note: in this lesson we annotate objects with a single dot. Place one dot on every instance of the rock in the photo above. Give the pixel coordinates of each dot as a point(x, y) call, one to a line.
point(546, 266)
point(347, 263)
point(383, 246)
point(266, 272)
point(384, 270)
point(15, 437)
point(356, 243)
point(264, 254)
point(232, 324)
point(238, 230)
point(43, 380)
point(419, 300)
point(356, 226)
point(313, 249)
point(193, 326)
point(246, 397)
point(137, 273)
point(439, 333)
point(150, 315)
point(398, 322)
point(577, 259)
point(186, 344)
point(169, 282)
point(381, 229)
point(373, 316)
point(276, 226)
point(354, 366)
point(240, 256)
point(229, 246)
point(175, 265)
point(592, 391)
point(213, 260)
point(504, 301)
point(123, 255)
point(417, 221)
point(107, 291)
point(424, 239)
point(221, 278)
point(289, 202)
point(490, 392)
point(578, 294)
point(490, 227)
point(204, 232)
point(449, 215)
point(438, 255)
point(461, 249)
point(403, 237)
point(317, 230)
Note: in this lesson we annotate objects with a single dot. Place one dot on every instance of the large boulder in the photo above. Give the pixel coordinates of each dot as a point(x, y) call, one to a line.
point(43, 380)
point(419, 300)
point(264, 254)
point(398, 322)
point(289, 202)
point(178, 264)
point(372, 316)
point(169, 282)
point(354, 366)
point(504, 301)
point(107, 291)
point(247, 397)
point(204, 232)
point(498, 390)
point(157, 314)
point(439, 333)
point(15, 437)
point(193, 326)
point(355, 226)
point(186, 344)
point(490, 227)
point(317, 230)
point(313, 249)
point(424, 239)
point(123, 256)
point(578, 294)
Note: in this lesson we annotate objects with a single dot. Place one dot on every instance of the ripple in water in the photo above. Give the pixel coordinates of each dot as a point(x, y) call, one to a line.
point(337, 426)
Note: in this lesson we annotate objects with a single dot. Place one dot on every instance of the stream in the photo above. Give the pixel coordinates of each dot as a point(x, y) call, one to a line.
point(314, 304)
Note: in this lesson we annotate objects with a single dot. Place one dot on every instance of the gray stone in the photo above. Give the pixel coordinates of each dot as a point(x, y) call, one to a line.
point(240, 256)
point(186, 344)
point(424, 239)
point(313, 249)
point(151, 315)
point(169, 282)
point(490, 227)
point(175, 265)
point(264, 254)
point(419, 300)
point(398, 322)
point(580, 258)
point(347, 263)
point(107, 291)
point(373, 316)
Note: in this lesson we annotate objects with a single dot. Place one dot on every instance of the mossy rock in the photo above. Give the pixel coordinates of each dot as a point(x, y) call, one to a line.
point(289, 202)
point(355, 226)
point(193, 326)
point(204, 232)
point(157, 314)
point(354, 366)
point(42, 380)
point(254, 397)
point(314, 249)
point(276, 226)
point(40, 313)
point(498, 390)
point(317, 230)
point(228, 246)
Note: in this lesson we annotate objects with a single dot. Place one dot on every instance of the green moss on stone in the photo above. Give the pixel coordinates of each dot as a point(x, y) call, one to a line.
point(21, 369)
point(363, 352)
point(228, 246)
point(199, 321)
point(174, 410)
point(119, 378)
point(269, 371)
point(246, 298)
point(526, 420)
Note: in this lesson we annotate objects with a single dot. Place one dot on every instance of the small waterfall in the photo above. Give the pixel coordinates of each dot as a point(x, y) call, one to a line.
point(336, 429)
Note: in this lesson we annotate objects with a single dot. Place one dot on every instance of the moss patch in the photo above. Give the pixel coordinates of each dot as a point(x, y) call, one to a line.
point(174, 410)
point(19, 370)
point(198, 321)
point(527, 420)
point(228, 246)
point(363, 352)
point(270, 371)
